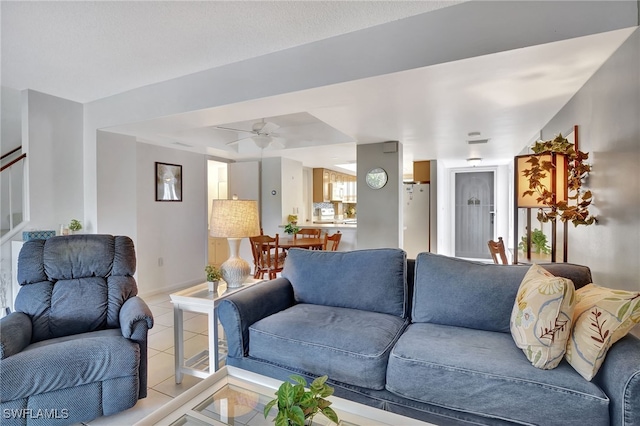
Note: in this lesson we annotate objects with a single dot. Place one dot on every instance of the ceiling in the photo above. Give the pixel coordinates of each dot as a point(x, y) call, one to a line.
point(88, 50)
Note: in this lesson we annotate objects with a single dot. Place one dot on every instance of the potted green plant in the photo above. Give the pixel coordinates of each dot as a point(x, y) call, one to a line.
point(538, 242)
point(291, 228)
point(297, 406)
point(75, 225)
point(213, 277)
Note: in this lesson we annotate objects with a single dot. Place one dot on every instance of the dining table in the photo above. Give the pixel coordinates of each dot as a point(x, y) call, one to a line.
point(308, 243)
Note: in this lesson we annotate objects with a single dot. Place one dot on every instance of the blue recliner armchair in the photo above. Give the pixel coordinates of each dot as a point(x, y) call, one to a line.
point(76, 347)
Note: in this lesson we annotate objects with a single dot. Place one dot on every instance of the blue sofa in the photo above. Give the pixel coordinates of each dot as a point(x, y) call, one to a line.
point(428, 339)
point(76, 347)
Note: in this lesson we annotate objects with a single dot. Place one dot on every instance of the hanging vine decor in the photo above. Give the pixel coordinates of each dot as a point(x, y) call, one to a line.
point(576, 207)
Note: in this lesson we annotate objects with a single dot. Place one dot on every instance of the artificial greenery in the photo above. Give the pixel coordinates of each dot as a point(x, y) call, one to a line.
point(577, 170)
point(538, 242)
point(291, 228)
point(296, 405)
point(75, 225)
point(213, 273)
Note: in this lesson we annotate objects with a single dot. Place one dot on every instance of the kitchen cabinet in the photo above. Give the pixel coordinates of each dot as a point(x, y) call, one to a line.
point(327, 184)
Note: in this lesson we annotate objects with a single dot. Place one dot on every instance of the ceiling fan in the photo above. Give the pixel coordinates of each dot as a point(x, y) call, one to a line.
point(262, 134)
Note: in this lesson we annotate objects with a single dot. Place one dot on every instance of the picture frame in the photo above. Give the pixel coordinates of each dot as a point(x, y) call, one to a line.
point(168, 182)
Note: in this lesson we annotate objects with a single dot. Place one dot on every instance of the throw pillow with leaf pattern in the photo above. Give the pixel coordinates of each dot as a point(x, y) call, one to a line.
point(602, 317)
point(542, 315)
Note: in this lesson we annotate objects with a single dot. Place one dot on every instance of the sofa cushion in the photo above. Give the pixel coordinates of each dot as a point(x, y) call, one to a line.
point(67, 362)
point(602, 316)
point(349, 345)
point(484, 373)
point(377, 277)
point(542, 316)
point(453, 291)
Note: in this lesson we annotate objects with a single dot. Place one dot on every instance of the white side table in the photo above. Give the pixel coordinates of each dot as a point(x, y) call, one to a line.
point(199, 299)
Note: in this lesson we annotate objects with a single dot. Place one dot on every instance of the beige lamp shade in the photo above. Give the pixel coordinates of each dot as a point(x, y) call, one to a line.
point(555, 181)
point(234, 219)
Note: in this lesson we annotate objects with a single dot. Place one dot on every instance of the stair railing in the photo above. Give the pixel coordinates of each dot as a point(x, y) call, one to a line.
point(12, 215)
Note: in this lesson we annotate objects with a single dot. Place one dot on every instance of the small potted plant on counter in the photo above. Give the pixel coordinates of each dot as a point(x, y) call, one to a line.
point(213, 277)
point(297, 406)
point(75, 226)
point(291, 228)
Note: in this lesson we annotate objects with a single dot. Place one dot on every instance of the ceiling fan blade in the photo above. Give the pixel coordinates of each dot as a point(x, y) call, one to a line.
point(238, 140)
point(231, 129)
point(269, 128)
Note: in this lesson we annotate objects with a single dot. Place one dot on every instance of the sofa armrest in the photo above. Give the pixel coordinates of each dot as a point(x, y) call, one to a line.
point(135, 318)
point(619, 378)
point(240, 310)
point(15, 333)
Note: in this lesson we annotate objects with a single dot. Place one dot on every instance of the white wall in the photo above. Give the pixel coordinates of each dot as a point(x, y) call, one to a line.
point(292, 181)
point(171, 244)
point(54, 146)
point(117, 188)
point(607, 111)
point(284, 177)
point(11, 119)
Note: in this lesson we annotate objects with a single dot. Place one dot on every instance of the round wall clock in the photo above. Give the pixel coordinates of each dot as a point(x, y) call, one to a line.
point(376, 178)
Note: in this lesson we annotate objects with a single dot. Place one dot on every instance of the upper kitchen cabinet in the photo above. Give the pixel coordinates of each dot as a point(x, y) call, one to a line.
point(329, 185)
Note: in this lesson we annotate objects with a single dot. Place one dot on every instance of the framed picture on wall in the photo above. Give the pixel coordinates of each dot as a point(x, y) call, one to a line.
point(168, 182)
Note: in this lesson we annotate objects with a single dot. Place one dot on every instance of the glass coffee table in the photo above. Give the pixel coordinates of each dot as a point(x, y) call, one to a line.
point(232, 396)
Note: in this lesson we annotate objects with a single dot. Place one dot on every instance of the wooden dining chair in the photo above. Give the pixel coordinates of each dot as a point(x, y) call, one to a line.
point(496, 248)
point(308, 233)
point(268, 257)
point(335, 241)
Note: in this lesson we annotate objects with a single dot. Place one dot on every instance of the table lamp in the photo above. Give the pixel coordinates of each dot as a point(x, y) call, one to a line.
point(234, 220)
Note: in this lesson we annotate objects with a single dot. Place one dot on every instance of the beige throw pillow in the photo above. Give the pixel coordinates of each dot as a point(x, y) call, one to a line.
point(602, 316)
point(541, 317)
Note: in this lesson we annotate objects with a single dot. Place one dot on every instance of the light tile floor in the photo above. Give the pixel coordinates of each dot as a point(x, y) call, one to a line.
point(161, 386)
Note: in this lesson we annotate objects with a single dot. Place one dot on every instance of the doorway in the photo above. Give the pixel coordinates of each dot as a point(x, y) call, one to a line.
point(217, 188)
point(474, 213)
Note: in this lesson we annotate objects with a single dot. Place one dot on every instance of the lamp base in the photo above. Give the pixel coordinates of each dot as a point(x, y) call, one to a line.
point(235, 271)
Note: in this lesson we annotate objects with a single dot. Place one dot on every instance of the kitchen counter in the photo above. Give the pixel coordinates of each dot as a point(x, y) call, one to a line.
point(336, 224)
point(348, 231)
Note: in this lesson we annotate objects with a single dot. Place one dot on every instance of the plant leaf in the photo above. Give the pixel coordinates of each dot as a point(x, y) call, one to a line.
point(281, 420)
point(330, 414)
point(285, 395)
point(298, 379)
point(268, 407)
point(297, 415)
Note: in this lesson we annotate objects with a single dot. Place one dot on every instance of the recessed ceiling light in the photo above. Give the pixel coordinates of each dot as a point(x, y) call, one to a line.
point(473, 134)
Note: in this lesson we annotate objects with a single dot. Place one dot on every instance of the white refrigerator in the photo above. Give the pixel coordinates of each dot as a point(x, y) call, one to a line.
point(416, 223)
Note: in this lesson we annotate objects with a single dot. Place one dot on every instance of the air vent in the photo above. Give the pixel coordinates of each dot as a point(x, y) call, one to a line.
point(478, 141)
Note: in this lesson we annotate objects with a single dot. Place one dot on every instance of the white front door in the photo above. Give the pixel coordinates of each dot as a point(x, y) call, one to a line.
point(474, 213)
